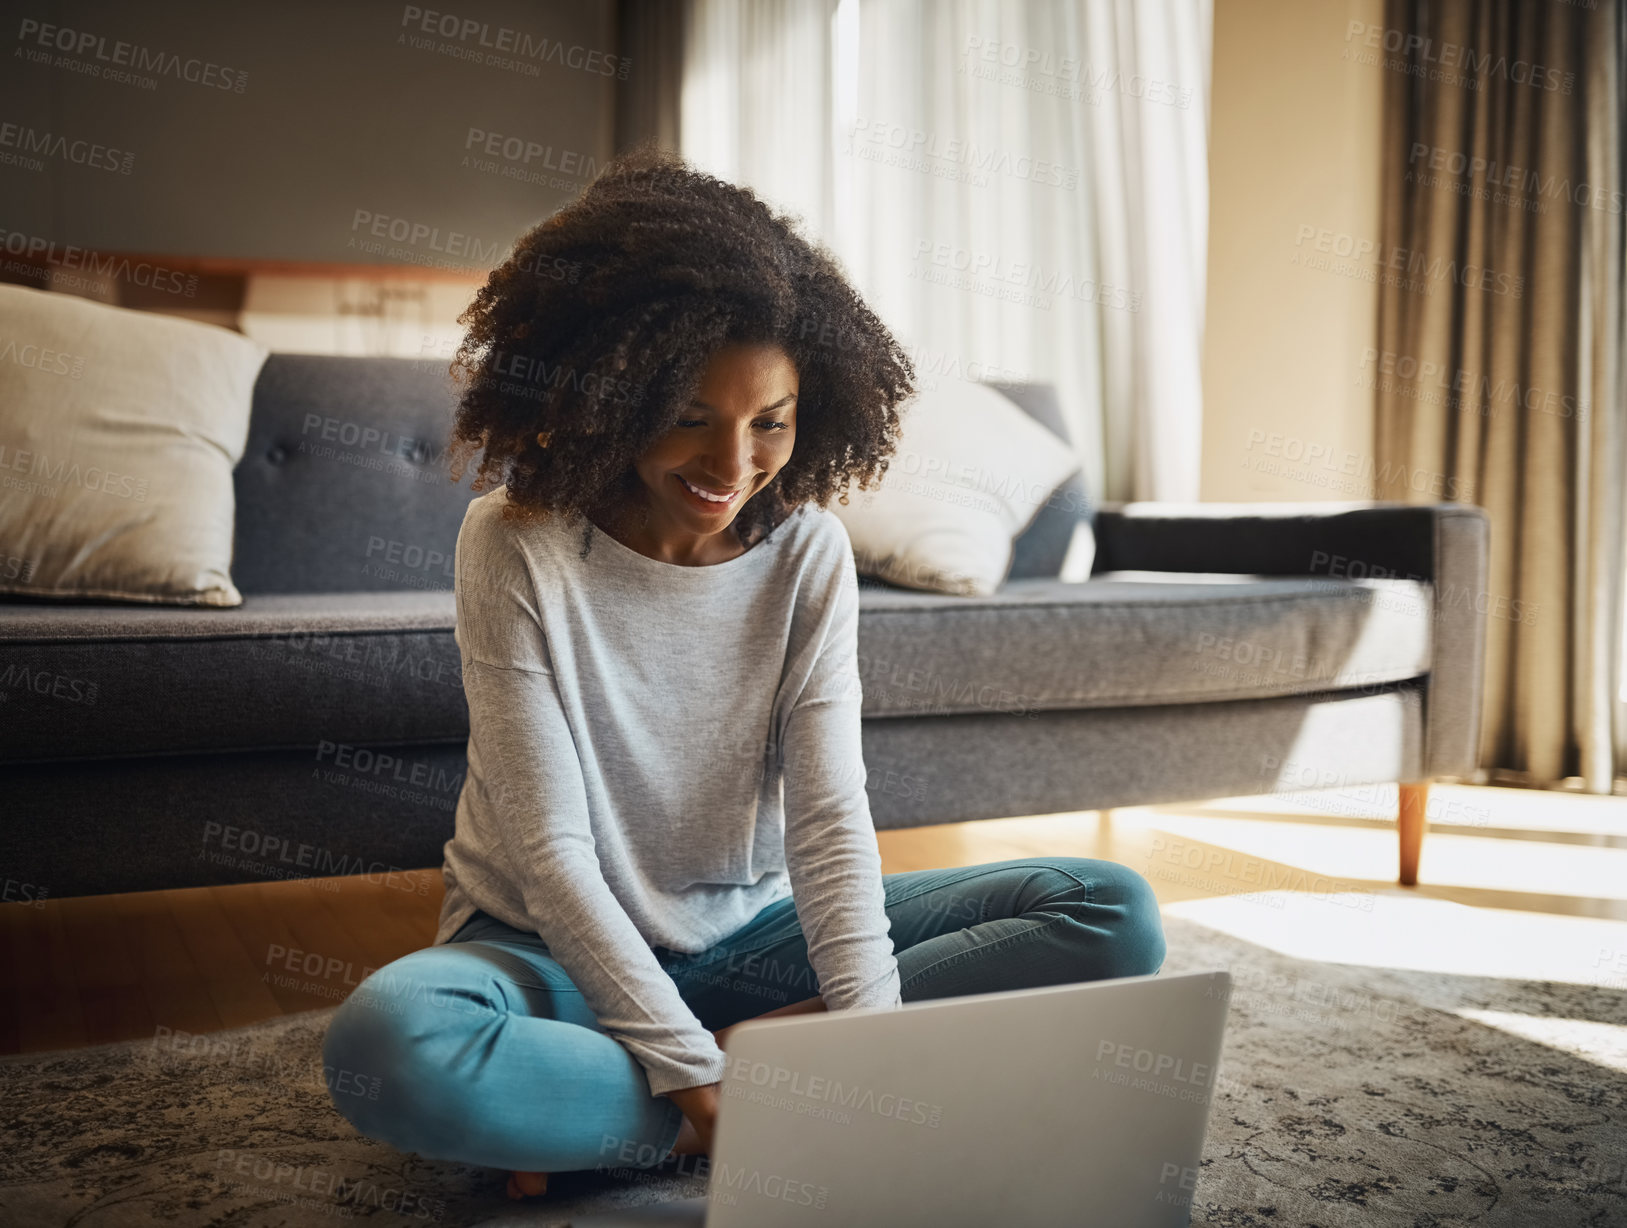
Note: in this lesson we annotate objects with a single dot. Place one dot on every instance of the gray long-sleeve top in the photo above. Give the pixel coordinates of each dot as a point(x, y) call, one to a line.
point(656, 753)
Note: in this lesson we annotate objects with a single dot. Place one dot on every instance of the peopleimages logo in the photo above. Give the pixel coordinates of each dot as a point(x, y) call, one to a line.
point(71, 473)
point(1169, 1075)
point(1020, 281)
point(421, 237)
point(41, 358)
point(783, 1080)
point(1454, 63)
point(1291, 456)
point(1465, 388)
point(120, 55)
point(1522, 182)
point(43, 682)
point(1031, 62)
point(522, 151)
point(66, 256)
point(1314, 245)
point(915, 145)
point(32, 144)
point(526, 47)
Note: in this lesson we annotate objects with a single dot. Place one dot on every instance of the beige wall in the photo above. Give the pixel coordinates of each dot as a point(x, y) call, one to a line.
point(1293, 167)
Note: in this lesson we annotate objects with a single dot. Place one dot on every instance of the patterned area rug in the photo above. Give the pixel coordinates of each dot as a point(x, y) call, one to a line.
point(1347, 1096)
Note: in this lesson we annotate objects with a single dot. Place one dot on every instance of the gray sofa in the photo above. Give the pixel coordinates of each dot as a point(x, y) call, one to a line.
point(320, 727)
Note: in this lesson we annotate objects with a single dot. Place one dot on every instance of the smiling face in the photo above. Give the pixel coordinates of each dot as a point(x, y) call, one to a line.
point(731, 440)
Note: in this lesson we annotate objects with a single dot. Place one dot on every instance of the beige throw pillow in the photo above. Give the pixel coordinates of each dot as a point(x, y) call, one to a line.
point(119, 431)
point(971, 472)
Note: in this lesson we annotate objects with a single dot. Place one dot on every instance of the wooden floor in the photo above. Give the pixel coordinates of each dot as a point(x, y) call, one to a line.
point(1545, 872)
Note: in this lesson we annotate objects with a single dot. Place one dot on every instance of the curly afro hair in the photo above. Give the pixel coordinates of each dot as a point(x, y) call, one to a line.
point(595, 332)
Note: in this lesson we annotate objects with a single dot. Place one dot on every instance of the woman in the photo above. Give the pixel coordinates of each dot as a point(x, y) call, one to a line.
point(664, 828)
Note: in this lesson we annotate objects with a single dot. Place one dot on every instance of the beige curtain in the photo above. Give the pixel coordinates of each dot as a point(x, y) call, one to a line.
point(1019, 190)
point(1501, 344)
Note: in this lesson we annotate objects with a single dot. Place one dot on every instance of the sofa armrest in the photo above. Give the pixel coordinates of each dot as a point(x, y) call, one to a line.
point(1446, 544)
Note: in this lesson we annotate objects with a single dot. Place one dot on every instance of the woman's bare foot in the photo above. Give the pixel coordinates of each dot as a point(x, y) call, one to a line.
point(689, 1140)
point(688, 1143)
point(531, 1185)
point(522, 1185)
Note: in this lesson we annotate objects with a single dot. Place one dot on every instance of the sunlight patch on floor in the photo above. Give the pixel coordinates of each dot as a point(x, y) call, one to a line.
point(1603, 1044)
point(1449, 806)
point(1327, 892)
point(1354, 854)
point(1403, 930)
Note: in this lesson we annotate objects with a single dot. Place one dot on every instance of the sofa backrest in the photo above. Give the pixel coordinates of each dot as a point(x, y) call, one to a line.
point(344, 484)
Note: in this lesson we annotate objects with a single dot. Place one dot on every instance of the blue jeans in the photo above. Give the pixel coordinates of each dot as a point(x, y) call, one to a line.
point(482, 1050)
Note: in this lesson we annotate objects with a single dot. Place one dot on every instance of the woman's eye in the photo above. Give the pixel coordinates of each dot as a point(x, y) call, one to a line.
point(778, 426)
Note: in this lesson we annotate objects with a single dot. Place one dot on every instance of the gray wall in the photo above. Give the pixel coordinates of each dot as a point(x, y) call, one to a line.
point(338, 113)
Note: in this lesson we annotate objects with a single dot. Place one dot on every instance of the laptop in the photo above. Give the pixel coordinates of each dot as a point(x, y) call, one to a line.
point(1068, 1104)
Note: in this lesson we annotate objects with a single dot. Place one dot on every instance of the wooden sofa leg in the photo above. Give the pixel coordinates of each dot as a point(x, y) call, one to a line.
point(1411, 822)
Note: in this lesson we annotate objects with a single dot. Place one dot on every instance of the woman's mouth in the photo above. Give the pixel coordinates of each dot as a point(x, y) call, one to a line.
point(706, 500)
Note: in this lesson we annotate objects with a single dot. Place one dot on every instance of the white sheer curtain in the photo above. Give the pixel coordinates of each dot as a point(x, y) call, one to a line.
point(1018, 189)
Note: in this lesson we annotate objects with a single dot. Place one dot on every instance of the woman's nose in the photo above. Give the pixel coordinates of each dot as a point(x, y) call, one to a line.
point(731, 461)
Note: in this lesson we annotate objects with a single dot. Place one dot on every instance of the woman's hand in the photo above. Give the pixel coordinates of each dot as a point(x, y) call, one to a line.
point(699, 1105)
point(721, 1036)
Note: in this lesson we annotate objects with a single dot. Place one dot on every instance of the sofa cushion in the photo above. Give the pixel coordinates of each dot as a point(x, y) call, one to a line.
point(1134, 638)
point(118, 435)
point(281, 670)
point(1059, 541)
point(972, 472)
point(341, 669)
